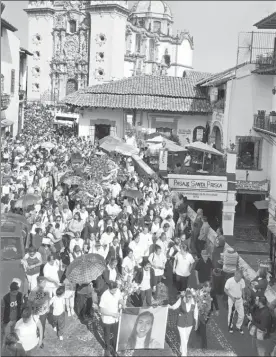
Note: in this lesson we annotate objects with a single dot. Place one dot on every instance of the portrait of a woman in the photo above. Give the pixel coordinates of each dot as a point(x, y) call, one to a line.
point(140, 337)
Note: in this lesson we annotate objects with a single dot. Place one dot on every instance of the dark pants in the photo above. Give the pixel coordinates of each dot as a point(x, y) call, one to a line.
point(43, 319)
point(81, 305)
point(146, 295)
point(199, 245)
point(214, 303)
point(181, 282)
point(108, 329)
point(202, 333)
point(59, 323)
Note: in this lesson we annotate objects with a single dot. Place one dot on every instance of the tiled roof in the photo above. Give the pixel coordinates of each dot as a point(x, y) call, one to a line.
point(146, 92)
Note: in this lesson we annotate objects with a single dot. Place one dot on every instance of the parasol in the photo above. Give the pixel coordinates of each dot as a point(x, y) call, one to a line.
point(205, 148)
point(133, 194)
point(27, 200)
point(110, 139)
point(72, 180)
point(121, 148)
point(85, 269)
point(48, 145)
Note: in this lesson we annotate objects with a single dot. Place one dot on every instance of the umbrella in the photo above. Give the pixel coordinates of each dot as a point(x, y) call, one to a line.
point(156, 139)
point(133, 194)
point(85, 269)
point(110, 139)
point(27, 200)
point(72, 180)
point(121, 148)
point(205, 148)
point(159, 141)
point(48, 145)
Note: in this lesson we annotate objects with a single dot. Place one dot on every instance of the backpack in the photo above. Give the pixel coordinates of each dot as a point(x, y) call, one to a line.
point(65, 257)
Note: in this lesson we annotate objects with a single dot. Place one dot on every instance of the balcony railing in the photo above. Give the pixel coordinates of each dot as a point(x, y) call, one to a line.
point(265, 123)
point(5, 101)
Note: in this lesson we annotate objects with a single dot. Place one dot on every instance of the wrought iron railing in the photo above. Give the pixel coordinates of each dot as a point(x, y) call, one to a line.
point(265, 122)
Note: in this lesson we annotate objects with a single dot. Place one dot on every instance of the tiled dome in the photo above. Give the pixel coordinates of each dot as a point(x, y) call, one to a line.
point(156, 7)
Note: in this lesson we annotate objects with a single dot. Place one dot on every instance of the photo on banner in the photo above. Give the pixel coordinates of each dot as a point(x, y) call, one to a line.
point(142, 328)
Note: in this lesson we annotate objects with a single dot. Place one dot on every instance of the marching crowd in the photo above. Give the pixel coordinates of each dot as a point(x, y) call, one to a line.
point(142, 232)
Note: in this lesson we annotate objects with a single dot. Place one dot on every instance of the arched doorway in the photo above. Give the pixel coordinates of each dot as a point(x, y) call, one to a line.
point(71, 86)
point(217, 137)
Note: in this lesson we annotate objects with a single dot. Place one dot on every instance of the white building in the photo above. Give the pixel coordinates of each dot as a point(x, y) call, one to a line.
point(13, 78)
point(244, 118)
point(81, 43)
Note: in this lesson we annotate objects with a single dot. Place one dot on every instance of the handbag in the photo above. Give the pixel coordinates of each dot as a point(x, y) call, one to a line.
point(252, 329)
point(260, 335)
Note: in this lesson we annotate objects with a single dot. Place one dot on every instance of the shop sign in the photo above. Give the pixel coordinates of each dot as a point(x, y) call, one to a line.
point(185, 132)
point(187, 183)
point(163, 159)
point(204, 195)
point(252, 185)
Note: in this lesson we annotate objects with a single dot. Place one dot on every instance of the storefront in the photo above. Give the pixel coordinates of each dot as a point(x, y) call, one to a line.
point(214, 194)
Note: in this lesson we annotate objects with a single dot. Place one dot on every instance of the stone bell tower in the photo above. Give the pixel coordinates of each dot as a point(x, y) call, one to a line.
point(107, 40)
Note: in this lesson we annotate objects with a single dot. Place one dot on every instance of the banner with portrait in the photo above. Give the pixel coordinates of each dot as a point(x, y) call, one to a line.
point(142, 328)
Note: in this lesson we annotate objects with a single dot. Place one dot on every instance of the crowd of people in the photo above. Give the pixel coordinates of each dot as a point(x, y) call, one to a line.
point(135, 223)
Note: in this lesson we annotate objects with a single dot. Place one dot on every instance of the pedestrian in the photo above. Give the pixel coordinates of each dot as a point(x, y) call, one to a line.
point(32, 262)
point(203, 236)
point(219, 247)
point(29, 331)
point(182, 268)
point(58, 303)
point(12, 347)
point(110, 303)
point(86, 298)
point(11, 306)
point(187, 318)
point(203, 268)
point(234, 288)
point(146, 280)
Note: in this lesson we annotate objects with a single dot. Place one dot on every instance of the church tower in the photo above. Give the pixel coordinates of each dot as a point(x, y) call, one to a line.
point(107, 40)
point(40, 43)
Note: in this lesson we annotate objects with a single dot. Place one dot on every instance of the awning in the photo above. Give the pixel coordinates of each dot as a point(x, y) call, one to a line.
point(261, 204)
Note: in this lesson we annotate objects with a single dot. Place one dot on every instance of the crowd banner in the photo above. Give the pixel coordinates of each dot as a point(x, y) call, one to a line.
point(248, 272)
point(142, 328)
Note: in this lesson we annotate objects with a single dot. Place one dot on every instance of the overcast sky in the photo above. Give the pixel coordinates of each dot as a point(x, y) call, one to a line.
point(214, 25)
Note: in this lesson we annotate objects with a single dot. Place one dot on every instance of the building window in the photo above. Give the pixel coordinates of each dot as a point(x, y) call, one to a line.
point(249, 152)
point(151, 49)
point(2, 83)
point(167, 58)
point(138, 43)
point(156, 26)
point(12, 81)
point(199, 134)
point(72, 26)
point(71, 86)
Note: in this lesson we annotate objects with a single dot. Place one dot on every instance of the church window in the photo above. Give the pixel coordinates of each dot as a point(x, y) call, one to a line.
point(102, 38)
point(12, 81)
point(101, 72)
point(71, 86)
point(38, 37)
point(151, 49)
point(156, 26)
point(199, 134)
point(37, 54)
point(72, 26)
point(36, 85)
point(138, 43)
point(167, 58)
point(101, 55)
point(2, 83)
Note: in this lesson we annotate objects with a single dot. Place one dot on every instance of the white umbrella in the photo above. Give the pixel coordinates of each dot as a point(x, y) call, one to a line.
point(156, 139)
point(205, 148)
point(110, 139)
point(160, 142)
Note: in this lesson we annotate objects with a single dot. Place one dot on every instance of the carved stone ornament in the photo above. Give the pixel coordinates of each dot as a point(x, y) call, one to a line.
point(69, 5)
point(73, 16)
point(99, 56)
point(100, 39)
point(71, 47)
point(37, 39)
point(71, 69)
point(59, 21)
point(99, 74)
point(35, 87)
point(36, 71)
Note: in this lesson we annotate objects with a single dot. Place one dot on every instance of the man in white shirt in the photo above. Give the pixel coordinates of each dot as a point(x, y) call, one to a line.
point(158, 262)
point(115, 189)
point(146, 240)
point(182, 267)
point(109, 308)
point(166, 211)
point(138, 249)
point(234, 288)
point(76, 241)
point(112, 209)
point(163, 243)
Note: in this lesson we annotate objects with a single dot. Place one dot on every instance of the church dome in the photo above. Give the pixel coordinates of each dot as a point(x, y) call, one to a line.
point(158, 8)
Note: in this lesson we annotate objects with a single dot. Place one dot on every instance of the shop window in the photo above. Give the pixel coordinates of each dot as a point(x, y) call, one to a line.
point(12, 81)
point(72, 26)
point(199, 134)
point(138, 43)
point(2, 83)
point(164, 131)
point(249, 152)
point(156, 26)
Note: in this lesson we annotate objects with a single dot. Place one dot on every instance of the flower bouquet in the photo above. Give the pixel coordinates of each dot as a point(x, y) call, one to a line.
point(101, 169)
point(204, 301)
point(127, 287)
point(91, 190)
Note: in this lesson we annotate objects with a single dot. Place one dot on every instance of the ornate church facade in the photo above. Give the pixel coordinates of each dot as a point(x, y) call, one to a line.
point(76, 44)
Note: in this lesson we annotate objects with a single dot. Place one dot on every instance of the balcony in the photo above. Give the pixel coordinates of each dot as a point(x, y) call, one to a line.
point(5, 101)
point(265, 123)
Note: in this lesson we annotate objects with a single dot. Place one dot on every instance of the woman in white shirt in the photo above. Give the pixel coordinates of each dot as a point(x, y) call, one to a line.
point(128, 265)
point(50, 272)
point(187, 318)
point(182, 267)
